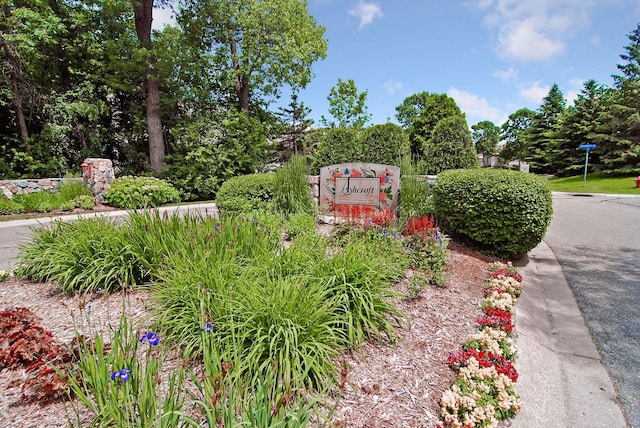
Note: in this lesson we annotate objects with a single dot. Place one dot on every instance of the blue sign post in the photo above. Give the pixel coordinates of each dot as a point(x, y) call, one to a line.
point(588, 147)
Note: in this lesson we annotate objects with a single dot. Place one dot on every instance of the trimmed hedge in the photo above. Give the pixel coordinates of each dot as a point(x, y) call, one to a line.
point(246, 192)
point(140, 192)
point(506, 213)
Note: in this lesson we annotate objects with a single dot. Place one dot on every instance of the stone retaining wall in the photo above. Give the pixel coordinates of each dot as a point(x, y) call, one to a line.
point(10, 188)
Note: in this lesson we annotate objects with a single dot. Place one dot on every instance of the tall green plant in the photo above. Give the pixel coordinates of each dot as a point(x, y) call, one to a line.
point(291, 193)
point(119, 382)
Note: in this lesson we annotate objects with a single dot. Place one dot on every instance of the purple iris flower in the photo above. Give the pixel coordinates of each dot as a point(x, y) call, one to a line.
point(123, 375)
point(208, 328)
point(151, 337)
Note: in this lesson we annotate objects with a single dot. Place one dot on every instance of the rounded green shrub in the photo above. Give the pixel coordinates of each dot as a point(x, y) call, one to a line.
point(390, 141)
point(140, 192)
point(246, 192)
point(506, 213)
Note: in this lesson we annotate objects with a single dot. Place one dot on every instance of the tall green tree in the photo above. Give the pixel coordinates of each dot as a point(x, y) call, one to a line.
point(28, 32)
point(578, 126)
point(449, 146)
point(258, 45)
point(515, 135)
point(543, 132)
point(486, 136)
point(411, 108)
point(297, 123)
point(347, 106)
point(436, 108)
point(618, 128)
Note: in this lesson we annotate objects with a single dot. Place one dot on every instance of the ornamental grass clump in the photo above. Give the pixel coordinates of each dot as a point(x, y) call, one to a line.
point(484, 393)
point(82, 256)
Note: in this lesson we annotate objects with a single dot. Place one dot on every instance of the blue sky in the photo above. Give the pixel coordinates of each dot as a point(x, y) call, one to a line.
point(492, 56)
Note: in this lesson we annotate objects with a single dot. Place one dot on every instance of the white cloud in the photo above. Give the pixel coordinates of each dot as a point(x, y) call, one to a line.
point(534, 30)
point(366, 13)
point(572, 93)
point(391, 86)
point(534, 93)
point(476, 107)
point(510, 75)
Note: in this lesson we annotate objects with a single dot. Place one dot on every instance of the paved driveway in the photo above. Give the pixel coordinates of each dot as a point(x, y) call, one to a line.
point(597, 241)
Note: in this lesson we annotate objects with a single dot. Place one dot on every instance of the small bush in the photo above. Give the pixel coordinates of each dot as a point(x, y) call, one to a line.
point(83, 201)
point(506, 213)
point(246, 192)
point(140, 192)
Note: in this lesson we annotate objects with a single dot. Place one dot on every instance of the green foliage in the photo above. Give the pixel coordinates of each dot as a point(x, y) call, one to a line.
point(505, 212)
point(358, 280)
point(543, 134)
point(434, 108)
point(71, 189)
point(515, 135)
point(71, 194)
point(261, 44)
point(291, 193)
point(83, 201)
point(415, 191)
point(297, 225)
point(246, 192)
point(205, 155)
point(140, 192)
point(411, 108)
point(486, 136)
point(82, 256)
point(338, 145)
point(385, 144)
point(347, 106)
point(449, 146)
point(119, 387)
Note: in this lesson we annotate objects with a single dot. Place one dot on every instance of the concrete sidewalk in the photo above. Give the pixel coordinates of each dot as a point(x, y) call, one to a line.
point(562, 382)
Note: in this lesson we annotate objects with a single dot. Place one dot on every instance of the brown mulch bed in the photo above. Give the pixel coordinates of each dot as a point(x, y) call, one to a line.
point(387, 386)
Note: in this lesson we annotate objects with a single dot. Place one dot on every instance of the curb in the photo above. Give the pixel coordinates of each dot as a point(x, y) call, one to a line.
point(563, 382)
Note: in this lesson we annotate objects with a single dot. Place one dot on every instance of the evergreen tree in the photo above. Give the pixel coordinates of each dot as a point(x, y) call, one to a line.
point(577, 126)
point(543, 133)
point(618, 127)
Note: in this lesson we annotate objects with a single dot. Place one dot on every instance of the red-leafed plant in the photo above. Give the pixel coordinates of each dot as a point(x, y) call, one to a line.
point(25, 344)
point(424, 225)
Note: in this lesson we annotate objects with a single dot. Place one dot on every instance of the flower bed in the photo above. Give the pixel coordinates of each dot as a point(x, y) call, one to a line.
point(483, 393)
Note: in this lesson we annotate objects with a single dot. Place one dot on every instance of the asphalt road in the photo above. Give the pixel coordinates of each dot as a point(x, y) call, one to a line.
point(596, 239)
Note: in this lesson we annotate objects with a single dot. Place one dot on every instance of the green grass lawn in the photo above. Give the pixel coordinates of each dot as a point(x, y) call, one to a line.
point(596, 183)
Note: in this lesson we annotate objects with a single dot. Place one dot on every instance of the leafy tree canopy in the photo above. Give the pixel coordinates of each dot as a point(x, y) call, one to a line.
point(486, 136)
point(347, 106)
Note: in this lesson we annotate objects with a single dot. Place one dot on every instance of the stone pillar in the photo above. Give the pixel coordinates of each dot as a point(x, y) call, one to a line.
point(98, 175)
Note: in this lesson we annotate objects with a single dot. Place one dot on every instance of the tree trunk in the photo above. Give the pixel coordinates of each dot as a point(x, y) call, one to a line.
point(242, 80)
point(143, 12)
point(15, 70)
point(17, 103)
